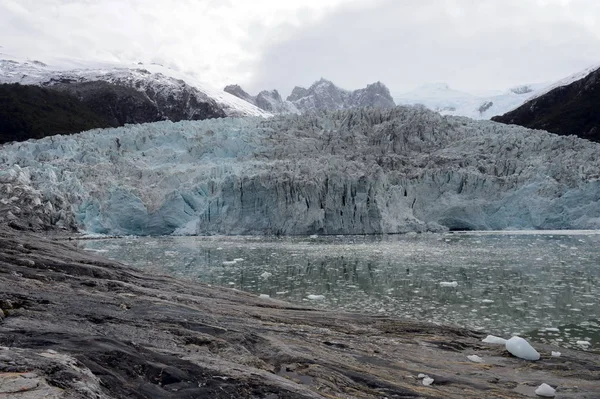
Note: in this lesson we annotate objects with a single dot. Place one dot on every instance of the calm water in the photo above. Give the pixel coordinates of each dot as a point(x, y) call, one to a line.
point(545, 286)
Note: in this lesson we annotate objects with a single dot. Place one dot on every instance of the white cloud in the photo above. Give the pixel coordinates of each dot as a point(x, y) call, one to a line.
point(471, 44)
point(218, 40)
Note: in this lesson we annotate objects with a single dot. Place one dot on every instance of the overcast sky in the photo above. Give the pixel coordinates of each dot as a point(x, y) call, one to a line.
point(472, 45)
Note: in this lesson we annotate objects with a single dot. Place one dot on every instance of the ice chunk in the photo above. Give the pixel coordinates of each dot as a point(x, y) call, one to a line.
point(475, 359)
point(492, 339)
point(314, 236)
point(556, 354)
point(428, 381)
point(421, 376)
point(264, 296)
point(583, 343)
point(266, 275)
point(229, 262)
point(520, 348)
point(449, 284)
point(316, 297)
point(546, 391)
point(238, 260)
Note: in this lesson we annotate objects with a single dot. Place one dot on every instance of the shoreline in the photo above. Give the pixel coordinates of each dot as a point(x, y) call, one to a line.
point(88, 327)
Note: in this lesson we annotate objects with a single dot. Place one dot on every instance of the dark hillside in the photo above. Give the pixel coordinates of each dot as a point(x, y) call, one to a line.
point(572, 109)
point(34, 112)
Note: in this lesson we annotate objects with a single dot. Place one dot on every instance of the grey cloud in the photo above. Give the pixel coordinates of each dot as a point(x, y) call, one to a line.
point(472, 45)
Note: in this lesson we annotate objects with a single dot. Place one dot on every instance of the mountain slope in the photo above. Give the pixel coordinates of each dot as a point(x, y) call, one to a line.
point(322, 95)
point(345, 172)
point(34, 112)
point(569, 107)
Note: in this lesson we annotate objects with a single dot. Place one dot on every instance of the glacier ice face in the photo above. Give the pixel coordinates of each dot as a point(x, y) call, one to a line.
point(345, 172)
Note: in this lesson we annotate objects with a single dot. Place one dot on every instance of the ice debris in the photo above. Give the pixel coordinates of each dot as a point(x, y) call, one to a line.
point(520, 348)
point(449, 284)
point(316, 297)
point(266, 275)
point(546, 391)
point(264, 296)
point(556, 354)
point(584, 344)
point(492, 339)
point(428, 381)
point(475, 359)
point(421, 376)
point(229, 263)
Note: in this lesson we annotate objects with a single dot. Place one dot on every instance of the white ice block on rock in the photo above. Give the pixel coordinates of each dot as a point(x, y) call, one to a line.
point(520, 348)
point(546, 391)
point(492, 339)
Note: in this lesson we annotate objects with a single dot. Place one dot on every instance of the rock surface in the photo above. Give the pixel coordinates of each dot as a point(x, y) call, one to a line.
point(345, 172)
point(79, 326)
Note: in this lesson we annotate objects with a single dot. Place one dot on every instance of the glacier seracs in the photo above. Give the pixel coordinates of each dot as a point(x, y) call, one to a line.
point(344, 172)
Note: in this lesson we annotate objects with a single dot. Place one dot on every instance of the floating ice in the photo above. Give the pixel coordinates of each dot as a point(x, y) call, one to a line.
point(316, 297)
point(583, 343)
point(421, 376)
point(449, 284)
point(428, 381)
point(520, 348)
point(266, 275)
point(475, 359)
point(238, 260)
point(556, 354)
point(264, 296)
point(492, 339)
point(229, 262)
point(314, 236)
point(546, 391)
point(551, 329)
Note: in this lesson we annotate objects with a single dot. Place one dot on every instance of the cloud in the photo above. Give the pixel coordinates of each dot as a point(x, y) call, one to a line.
point(471, 44)
point(218, 40)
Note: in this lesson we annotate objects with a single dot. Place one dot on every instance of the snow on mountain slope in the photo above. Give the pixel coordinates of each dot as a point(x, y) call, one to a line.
point(344, 172)
point(148, 78)
point(441, 98)
point(565, 82)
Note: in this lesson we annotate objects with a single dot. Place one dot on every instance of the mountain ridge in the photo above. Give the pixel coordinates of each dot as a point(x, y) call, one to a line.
point(322, 95)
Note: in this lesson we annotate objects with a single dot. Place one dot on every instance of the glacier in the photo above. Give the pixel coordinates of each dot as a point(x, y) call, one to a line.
point(361, 171)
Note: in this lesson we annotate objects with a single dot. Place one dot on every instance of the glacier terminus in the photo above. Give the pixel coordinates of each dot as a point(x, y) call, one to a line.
point(360, 171)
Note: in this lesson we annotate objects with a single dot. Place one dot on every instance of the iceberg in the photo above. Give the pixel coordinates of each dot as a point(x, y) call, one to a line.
point(360, 171)
point(520, 348)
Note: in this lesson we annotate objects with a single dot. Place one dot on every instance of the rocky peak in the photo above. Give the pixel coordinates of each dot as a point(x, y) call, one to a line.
point(237, 91)
point(297, 93)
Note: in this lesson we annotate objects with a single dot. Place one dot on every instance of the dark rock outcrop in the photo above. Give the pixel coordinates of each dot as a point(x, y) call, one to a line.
point(566, 110)
point(79, 326)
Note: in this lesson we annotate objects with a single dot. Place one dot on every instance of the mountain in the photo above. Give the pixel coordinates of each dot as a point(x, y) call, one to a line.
point(35, 112)
point(441, 98)
point(321, 95)
point(359, 171)
point(121, 94)
point(570, 106)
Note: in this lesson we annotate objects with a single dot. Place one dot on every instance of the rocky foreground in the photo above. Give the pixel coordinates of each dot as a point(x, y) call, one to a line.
point(74, 325)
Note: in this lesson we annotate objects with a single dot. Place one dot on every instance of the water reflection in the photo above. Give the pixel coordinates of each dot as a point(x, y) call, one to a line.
point(501, 283)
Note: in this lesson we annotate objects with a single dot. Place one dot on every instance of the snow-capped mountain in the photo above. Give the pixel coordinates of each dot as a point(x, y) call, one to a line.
point(441, 98)
point(359, 171)
point(165, 93)
point(570, 106)
point(320, 96)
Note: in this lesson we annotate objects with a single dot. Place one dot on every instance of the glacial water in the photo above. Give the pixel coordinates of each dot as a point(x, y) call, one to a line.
point(543, 285)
